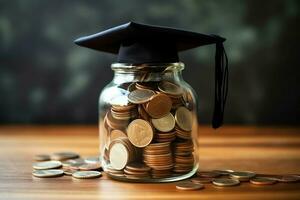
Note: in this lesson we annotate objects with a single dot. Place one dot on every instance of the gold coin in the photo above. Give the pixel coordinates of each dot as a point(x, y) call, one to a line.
point(140, 133)
point(189, 186)
point(184, 118)
point(164, 124)
point(159, 106)
point(86, 174)
point(170, 88)
point(242, 176)
point(262, 181)
point(118, 156)
point(64, 155)
point(225, 182)
point(140, 96)
point(47, 165)
point(48, 173)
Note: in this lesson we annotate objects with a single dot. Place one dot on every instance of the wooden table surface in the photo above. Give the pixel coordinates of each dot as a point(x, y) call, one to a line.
point(263, 150)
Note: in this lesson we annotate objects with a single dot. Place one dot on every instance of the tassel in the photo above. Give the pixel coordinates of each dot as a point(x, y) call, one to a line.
point(221, 84)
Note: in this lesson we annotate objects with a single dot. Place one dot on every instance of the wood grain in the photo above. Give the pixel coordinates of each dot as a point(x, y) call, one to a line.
point(261, 149)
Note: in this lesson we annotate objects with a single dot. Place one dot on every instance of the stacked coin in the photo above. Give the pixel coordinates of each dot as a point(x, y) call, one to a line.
point(158, 156)
point(153, 119)
point(137, 170)
point(183, 156)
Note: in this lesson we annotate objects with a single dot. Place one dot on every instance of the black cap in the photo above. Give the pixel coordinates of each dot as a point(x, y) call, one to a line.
point(136, 43)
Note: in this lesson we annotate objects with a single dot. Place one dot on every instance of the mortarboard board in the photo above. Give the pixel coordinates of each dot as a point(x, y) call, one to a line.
point(136, 43)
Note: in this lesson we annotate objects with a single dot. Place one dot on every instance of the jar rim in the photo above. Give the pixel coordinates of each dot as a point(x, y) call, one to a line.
point(177, 66)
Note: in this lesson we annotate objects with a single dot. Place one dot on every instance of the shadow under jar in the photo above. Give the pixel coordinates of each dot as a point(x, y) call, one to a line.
point(148, 124)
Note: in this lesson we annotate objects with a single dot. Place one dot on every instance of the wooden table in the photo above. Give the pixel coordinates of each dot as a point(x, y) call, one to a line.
point(263, 150)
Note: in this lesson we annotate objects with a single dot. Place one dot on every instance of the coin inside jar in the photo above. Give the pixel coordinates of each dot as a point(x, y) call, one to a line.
point(140, 133)
point(119, 156)
point(164, 124)
point(170, 88)
point(140, 96)
point(159, 106)
point(184, 118)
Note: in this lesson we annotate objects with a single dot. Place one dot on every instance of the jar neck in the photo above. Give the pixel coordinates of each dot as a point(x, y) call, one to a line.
point(147, 72)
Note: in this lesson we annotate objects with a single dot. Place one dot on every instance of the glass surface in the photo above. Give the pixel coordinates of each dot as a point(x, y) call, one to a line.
point(148, 124)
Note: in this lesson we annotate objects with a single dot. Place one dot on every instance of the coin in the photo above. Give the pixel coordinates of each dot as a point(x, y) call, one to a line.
point(159, 106)
point(47, 165)
point(140, 96)
point(288, 178)
point(138, 167)
point(170, 88)
point(262, 181)
point(48, 173)
point(184, 118)
point(42, 157)
point(86, 174)
point(114, 134)
point(119, 156)
point(189, 186)
point(225, 182)
point(92, 159)
point(90, 167)
point(140, 133)
point(242, 176)
point(68, 171)
point(223, 171)
point(201, 180)
point(64, 156)
point(73, 162)
point(164, 124)
point(208, 174)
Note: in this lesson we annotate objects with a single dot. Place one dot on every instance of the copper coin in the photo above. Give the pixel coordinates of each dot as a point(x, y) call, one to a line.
point(189, 186)
point(140, 133)
point(140, 96)
point(208, 174)
point(159, 106)
point(262, 181)
point(138, 167)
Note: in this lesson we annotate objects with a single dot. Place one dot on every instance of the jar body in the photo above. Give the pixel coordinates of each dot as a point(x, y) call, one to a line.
point(148, 124)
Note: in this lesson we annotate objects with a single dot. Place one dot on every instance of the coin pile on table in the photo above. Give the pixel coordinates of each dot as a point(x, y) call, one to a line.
point(66, 163)
point(150, 125)
point(230, 178)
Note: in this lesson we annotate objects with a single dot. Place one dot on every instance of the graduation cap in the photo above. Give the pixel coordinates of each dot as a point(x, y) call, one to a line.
point(136, 43)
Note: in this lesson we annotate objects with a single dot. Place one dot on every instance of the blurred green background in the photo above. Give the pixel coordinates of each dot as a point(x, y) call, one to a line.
point(45, 78)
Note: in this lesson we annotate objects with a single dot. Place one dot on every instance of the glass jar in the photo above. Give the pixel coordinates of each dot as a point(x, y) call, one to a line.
point(148, 124)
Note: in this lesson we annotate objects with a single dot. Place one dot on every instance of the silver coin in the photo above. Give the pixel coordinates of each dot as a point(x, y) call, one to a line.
point(225, 182)
point(86, 174)
point(48, 173)
point(47, 165)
